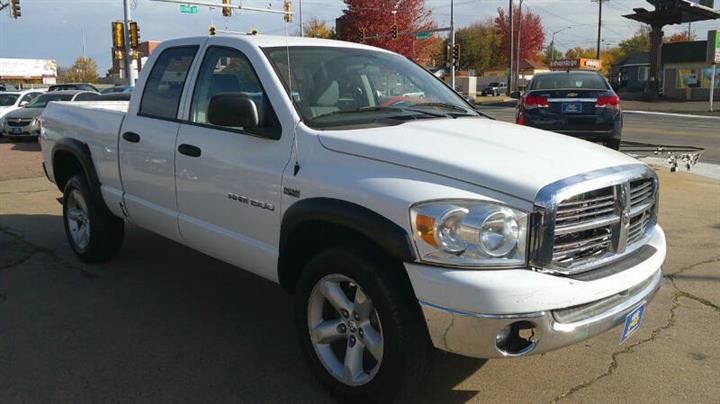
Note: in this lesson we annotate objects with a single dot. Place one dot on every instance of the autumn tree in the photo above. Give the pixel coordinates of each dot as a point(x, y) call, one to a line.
point(316, 28)
point(580, 52)
point(532, 34)
point(376, 17)
point(84, 70)
point(640, 42)
point(479, 44)
point(684, 36)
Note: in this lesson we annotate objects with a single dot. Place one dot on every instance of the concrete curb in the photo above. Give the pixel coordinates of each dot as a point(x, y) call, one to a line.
point(673, 114)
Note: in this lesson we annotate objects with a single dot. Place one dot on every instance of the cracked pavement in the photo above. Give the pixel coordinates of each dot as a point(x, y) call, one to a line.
point(162, 323)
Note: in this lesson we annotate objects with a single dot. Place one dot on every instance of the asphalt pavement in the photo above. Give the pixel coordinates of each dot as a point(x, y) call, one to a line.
point(666, 130)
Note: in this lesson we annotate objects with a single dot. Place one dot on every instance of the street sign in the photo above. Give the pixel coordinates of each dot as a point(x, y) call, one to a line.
point(422, 35)
point(717, 47)
point(188, 9)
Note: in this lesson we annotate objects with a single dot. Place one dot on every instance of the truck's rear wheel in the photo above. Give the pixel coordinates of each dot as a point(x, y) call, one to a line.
point(94, 233)
point(360, 326)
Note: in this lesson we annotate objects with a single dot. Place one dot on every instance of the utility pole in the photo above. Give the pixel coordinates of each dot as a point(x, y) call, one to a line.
point(452, 43)
point(510, 50)
point(302, 24)
point(130, 72)
point(518, 59)
point(599, 36)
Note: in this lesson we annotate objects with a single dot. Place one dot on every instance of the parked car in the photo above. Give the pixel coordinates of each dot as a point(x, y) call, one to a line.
point(10, 101)
point(24, 123)
point(117, 89)
point(581, 104)
point(398, 228)
point(7, 87)
point(495, 88)
point(73, 86)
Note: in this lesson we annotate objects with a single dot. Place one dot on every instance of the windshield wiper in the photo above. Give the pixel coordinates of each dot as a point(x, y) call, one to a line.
point(383, 109)
point(445, 105)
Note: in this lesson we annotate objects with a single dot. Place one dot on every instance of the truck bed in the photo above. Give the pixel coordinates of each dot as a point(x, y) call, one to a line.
point(95, 123)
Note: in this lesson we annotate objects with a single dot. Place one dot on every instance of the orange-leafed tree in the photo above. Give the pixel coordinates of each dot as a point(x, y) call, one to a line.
point(682, 37)
point(376, 17)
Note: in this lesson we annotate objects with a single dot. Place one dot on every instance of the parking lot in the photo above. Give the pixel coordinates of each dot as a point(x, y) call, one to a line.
point(162, 323)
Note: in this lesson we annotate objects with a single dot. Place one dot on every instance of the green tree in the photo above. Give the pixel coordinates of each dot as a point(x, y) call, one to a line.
point(84, 70)
point(551, 54)
point(479, 44)
point(640, 42)
point(316, 28)
point(580, 52)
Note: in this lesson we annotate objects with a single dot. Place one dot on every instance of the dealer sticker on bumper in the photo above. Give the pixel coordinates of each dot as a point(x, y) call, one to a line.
point(632, 322)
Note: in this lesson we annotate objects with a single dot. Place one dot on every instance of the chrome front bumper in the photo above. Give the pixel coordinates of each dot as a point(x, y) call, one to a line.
point(475, 335)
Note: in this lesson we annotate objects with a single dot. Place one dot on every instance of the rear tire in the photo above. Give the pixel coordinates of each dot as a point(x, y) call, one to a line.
point(395, 348)
point(94, 233)
point(614, 144)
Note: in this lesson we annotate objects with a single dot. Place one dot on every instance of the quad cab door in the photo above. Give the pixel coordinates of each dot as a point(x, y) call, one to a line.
point(147, 140)
point(229, 178)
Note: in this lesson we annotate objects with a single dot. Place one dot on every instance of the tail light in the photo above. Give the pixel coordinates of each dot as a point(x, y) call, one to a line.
point(535, 101)
point(520, 120)
point(609, 102)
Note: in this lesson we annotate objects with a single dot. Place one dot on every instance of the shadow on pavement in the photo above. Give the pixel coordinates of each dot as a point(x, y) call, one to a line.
point(160, 323)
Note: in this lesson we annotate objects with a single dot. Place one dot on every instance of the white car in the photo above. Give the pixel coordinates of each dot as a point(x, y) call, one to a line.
point(12, 100)
point(398, 227)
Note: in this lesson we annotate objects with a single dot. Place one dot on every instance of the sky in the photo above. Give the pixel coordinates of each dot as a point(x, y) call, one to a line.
point(66, 29)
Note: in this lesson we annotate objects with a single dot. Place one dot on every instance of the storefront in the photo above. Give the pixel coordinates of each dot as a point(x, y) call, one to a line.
point(686, 73)
point(26, 73)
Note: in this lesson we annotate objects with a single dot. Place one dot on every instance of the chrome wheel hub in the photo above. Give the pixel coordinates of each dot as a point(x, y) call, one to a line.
point(78, 221)
point(345, 330)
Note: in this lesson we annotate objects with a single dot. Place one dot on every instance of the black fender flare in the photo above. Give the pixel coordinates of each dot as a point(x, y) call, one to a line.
point(390, 237)
point(81, 152)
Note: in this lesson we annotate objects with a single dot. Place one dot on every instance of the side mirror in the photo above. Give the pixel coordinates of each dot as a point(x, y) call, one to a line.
point(24, 103)
point(471, 101)
point(516, 95)
point(235, 110)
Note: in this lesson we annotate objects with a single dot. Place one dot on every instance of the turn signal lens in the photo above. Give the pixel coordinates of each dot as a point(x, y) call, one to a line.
point(425, 227)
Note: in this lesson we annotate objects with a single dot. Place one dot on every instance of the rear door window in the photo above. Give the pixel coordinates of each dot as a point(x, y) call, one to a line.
point(164, 87)
point(564, 81)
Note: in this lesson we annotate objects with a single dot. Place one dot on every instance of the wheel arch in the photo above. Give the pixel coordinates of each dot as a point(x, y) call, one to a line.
point(70, 157)
point(312, 225)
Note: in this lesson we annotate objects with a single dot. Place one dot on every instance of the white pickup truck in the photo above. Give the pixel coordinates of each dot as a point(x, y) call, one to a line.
point(400, 217)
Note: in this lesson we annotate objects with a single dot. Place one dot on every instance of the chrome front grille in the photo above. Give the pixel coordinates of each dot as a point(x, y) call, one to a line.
point(18, 122)
point(587, 221)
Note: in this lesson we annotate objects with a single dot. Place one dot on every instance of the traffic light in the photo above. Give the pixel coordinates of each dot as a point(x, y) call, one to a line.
point(361, 35)
point(394, 31)
point(118, 33)
point(134, 35)
point(448, 55)
point(456, 55)
point(286, 7)
point(15, 8)
point(211, 30)
point(227, 11)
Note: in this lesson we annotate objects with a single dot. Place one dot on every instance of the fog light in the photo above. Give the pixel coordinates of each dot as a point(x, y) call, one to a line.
point(517, 339)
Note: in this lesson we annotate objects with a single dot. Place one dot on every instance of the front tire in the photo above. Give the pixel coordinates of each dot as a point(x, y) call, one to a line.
point(360, 326)
point(614, 144)
point(94, 234)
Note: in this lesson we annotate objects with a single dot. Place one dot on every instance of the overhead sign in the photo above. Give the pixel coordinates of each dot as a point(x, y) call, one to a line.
point(188, 9)
point(27, 68)
point(581, 63)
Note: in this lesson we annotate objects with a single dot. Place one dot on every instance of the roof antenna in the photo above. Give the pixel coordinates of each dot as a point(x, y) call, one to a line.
point(288, 20)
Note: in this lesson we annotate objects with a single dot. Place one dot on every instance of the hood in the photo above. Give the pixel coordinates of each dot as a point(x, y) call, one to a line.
point(24, 113)
point(509, 158)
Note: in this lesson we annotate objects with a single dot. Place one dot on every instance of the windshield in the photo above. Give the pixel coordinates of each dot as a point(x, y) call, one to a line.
point(493, 84)
point(569, 80)
point(336, 87)
point(42, 101)
point(7, 100)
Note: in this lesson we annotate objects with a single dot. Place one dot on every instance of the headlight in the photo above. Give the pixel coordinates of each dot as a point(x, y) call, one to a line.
point(470, 233)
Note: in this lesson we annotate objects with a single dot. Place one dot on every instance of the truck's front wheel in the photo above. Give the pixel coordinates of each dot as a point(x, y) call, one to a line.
point(93, 232)
point(360, 326)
